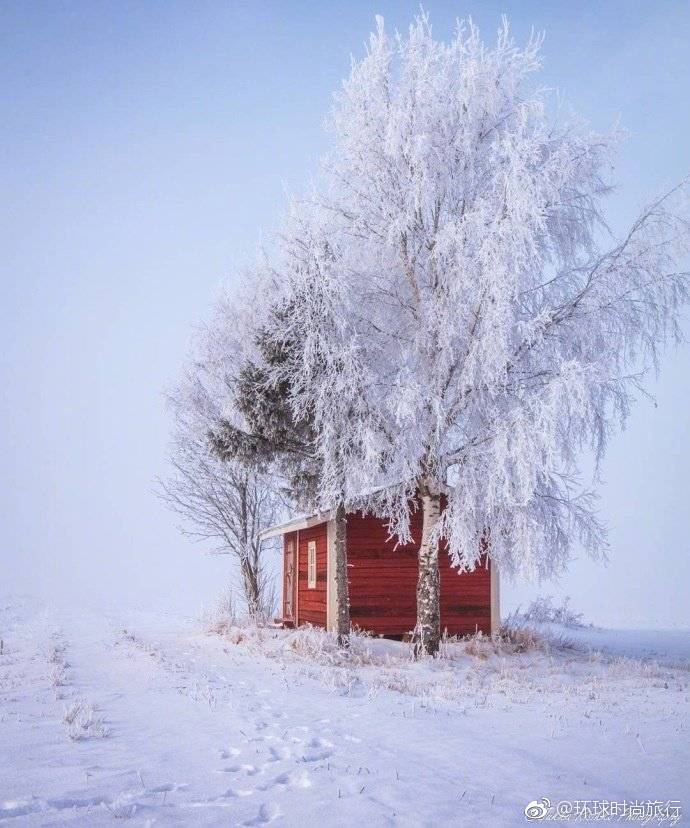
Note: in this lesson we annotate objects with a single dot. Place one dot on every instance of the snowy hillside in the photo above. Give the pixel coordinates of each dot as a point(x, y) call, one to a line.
point(145, 717)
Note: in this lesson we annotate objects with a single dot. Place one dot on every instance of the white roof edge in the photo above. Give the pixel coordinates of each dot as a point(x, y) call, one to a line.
point(302, 522)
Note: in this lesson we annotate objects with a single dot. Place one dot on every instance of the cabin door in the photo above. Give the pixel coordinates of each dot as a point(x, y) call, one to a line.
point(289, 601)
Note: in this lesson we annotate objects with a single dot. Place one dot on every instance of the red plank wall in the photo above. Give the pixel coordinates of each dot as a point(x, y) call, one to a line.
point(311, 603)
point(383, 583)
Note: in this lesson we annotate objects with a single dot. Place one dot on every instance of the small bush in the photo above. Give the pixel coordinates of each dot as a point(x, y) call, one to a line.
point(224, 620)
point(58, 675)
point(521, 639)
point(233, 634)
point(320, 646)
point(56, 653)
point(508, 641)
point(225, 604)
point(82, 723)
point(223, 616)
point(546, 611)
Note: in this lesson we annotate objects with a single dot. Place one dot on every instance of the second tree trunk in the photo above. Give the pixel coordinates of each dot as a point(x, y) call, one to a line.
point(342, 596)
point(427, 636)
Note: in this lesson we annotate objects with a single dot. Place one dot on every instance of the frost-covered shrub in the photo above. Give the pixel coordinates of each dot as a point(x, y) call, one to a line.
point(233, 633)
point(82, 722)
point(57, 675)
point(508, 641)
point(313, 644)
point(56, 664)
point(56, 653)
point(546, 611)
point(224, 619)
point(622, 667)
point(322, 647)
point(268, 599)
point(480, 646)
point(520, 640)
point(223, 615)
point(225, 603)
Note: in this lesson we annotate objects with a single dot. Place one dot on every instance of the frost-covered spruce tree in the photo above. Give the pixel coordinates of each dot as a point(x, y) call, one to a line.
point(470, 324)
point(269, 435)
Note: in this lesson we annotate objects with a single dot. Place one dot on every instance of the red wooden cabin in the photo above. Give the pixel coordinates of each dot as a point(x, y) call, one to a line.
point(382, 580)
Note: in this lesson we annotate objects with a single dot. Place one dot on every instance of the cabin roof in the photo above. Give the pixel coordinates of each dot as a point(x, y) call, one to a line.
point(296, 523)
point(314, 518)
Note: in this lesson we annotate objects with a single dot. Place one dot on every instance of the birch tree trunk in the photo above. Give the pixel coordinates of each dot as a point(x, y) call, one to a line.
point(341, 589)
point(251, 586)
point(427, 635)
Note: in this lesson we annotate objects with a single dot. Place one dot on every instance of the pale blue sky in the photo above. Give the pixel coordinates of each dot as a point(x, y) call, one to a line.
point(146, 148)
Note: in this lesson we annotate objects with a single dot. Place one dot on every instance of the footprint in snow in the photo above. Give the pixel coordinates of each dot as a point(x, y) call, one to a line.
point(234, 792)
point(317, 741)
point(267, 813)
point(168, 787)
point(317, 750)
point(249, 770)
point(227, 753)
point(293, 780)
point(278, 754)
point(317, 755)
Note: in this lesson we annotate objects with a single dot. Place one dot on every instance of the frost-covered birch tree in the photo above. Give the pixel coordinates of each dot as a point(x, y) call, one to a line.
point(470, 324)
point(229, 501)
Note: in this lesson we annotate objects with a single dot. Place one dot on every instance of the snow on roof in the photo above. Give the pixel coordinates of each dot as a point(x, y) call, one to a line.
point(314, 518)
point(299, 522)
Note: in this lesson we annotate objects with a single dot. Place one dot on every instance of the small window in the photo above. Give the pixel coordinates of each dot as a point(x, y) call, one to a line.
point(311, 565)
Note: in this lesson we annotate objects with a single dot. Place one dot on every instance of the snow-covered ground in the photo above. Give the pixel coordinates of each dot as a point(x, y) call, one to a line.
point(142, 716)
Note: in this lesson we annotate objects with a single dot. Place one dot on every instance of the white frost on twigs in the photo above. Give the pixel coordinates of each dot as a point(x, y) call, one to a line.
point(465, 317)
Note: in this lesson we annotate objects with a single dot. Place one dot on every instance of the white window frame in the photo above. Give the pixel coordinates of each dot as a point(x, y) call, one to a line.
point(311, 565)
point(290, 585)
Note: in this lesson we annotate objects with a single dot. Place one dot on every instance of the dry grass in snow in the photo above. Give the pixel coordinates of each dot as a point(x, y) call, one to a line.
point(82, 722)
point(518, 665)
